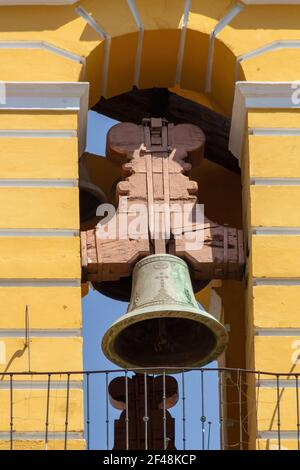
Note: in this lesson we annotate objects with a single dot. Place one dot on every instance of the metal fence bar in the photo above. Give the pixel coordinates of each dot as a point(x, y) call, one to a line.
point(183, 412)
point(107, 411)
point(278, 412)
point(164, 410)
point(47, 411)
point(88, 410)
point(11, 411)
point(203, 417)
point(208, 438)
point(221, 408)
point(298, 411)
point(240, 385)
point(126, 410)
point(146, 417)
point(67, 412)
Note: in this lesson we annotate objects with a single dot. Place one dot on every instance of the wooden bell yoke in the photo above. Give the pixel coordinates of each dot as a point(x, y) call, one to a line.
point(156, 158)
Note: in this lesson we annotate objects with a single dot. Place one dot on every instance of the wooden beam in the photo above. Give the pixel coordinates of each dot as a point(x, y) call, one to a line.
point(160, 102)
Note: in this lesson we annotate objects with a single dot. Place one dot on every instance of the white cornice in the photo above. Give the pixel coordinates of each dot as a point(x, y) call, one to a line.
point(256, 95)
point(52, 96)
point(271, 2)
point(37, 2)
point(72, 2)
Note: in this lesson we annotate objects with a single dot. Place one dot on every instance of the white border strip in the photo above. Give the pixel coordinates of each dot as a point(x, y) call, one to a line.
point(139, 50)
point(257, 181)
point(40, 282)
point(275, 45)
point(38, 134)
point(43, 45)
point(275, 231)
point(37, 183)
point(277, 332)
point(182, 41)
point(40, 384)
point(37, 2)
point(32, 436)
point(264, 281)
point(275, 131)
point(30, 232)
point(269, 383)
point(274, 434)
point(256, 95)
point(71, 2)
point(36, 333)
point(218, 28)
point(50, 96)
point(107, 45)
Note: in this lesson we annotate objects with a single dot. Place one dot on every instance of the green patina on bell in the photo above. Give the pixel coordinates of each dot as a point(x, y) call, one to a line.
point(164, 325)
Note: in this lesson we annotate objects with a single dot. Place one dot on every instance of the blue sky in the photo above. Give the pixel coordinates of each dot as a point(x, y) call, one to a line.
point(98, 314)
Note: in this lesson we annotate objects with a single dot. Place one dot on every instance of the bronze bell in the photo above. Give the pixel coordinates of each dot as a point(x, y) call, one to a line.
point(90, 195)
point(164, 326)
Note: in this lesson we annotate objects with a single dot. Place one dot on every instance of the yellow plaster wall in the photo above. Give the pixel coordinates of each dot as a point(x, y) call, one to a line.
point(38, 157)
point(275, 206)
point(29, 407)
point(39, 208)
point(59, 257)
point(272, 344)
point(49, 307)
point(274, 156)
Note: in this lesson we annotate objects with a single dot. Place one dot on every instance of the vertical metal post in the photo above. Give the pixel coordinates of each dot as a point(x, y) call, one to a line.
point(221, 408)
point(208, 439)
point(278, 412)
point(88, 409)
point(240, 384)
point(164, 410)
point(11, 410)
point(67, 412)
point(146, 417)
point(126, 410)
point(203, 418)
point(183, 413)
point(298, 411)
point(47, 412)
point(107, 411)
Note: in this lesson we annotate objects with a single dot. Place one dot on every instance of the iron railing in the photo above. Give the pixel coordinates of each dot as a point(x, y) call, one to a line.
point(217, 408)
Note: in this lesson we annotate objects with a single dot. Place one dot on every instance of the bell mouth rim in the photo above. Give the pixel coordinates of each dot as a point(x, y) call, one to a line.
point(192, 314)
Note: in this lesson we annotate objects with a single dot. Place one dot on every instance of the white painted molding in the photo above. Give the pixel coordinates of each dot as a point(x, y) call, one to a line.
point(41, 384)
point(38, 183)
point(38, 134)
point(107, 43)
point(275, 281)
point(271, 2)
point(182, 41)
point(273, 46)
point(277, 332)
point(43, 45)
point(218, 28)
point(256, 95)
point(40, 333)
point(37, 2)
point(39, 232)
point(52, 96)
point(72, 2)
point(257, 181)
point(282, 231)
point(40, 282)
point(139, 50)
